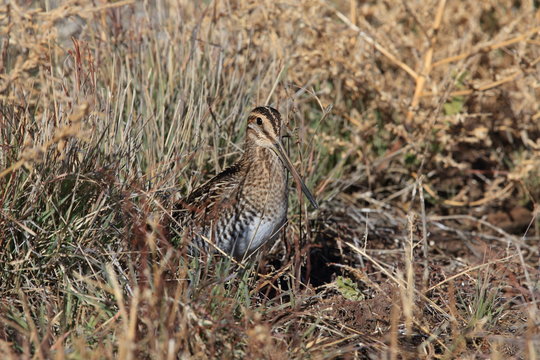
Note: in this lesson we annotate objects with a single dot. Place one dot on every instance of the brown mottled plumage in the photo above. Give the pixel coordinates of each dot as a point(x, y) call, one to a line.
point(244, 206)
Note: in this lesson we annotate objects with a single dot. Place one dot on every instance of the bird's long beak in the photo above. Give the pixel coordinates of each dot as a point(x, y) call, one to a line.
point(280, 151)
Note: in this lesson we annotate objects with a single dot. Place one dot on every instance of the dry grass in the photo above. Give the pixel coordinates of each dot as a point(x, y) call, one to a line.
point(416, 123)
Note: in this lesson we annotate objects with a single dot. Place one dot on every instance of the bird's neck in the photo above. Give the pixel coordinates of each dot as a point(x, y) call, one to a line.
point(266, 173)
point(256, 156)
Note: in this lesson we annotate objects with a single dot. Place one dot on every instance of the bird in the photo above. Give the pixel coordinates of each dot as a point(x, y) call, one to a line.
point(245, 205)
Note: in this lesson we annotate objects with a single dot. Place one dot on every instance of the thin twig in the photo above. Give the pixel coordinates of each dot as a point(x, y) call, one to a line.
point(374, 43)
point(426, 66)
point(486, 48)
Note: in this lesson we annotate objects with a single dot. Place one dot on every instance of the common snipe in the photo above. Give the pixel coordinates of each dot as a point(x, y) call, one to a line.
point(244, 206)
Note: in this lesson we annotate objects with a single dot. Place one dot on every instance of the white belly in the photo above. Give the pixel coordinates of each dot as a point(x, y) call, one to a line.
point(257, 233)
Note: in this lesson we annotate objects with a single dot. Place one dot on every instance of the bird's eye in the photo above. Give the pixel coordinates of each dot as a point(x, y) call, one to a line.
point(259, 121)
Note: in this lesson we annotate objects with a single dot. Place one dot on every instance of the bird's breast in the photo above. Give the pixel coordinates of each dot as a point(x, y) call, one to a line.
point(265, 187)
point(263, 206)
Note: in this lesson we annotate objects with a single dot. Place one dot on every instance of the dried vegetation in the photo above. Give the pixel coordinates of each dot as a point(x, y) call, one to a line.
point(416, 123)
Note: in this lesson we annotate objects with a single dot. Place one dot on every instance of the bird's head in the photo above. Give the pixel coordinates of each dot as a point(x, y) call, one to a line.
point(264, 126)
point(264, 130)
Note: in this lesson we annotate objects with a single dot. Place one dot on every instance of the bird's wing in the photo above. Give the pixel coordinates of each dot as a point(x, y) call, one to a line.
point(205, 203)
